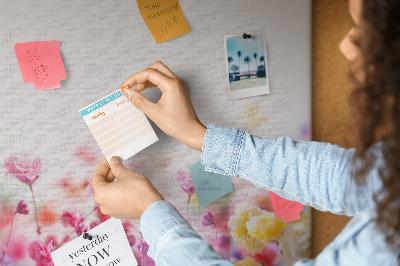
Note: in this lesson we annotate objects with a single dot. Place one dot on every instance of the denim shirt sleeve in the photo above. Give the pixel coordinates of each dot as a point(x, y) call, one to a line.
point(172, 241)
point(313, 173)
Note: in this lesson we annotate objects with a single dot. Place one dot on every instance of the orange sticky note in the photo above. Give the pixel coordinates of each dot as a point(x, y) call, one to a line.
point(287, 210)
point(164, 18)
point(41, 63)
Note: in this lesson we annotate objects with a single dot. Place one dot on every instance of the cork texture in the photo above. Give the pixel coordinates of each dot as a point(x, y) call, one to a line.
point(330, 99)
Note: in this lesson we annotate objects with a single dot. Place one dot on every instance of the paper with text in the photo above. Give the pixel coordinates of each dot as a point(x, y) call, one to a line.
point(209, 186)
point(287, 210)
point(164, 18)
point(41, 63)
point(109, 246)
point(118, 126)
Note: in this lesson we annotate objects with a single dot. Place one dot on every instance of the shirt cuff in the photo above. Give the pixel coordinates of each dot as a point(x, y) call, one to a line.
point(158, 219)
point(221, 150)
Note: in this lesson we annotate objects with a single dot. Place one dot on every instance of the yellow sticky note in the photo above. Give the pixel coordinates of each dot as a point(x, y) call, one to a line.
point(164, 18)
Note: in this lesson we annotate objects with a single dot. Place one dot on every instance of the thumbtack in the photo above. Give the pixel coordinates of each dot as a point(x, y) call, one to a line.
point(246, 36)
point(87, 236)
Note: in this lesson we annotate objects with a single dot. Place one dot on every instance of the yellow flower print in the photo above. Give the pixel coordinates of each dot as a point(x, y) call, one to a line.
point(248, 261)
point(239, 232)
point(265, 227)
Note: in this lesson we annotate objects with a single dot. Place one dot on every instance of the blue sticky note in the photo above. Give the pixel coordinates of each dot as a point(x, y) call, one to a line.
point(209, 186)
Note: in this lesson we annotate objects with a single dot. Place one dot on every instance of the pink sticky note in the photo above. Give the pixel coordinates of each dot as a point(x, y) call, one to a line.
point(287, 210)
point(41, 63)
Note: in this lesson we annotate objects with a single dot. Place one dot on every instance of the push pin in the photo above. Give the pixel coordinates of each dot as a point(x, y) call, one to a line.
point(87, 236)
point(246, 36)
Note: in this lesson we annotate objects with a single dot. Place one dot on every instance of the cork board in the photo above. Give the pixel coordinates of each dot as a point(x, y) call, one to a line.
point(331, 88)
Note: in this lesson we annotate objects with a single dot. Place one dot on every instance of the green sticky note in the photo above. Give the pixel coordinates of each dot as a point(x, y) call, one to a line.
point(209, 186)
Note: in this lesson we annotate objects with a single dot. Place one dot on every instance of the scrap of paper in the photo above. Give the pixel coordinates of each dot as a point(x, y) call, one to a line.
point(41, 64)
point(287, 210)
point(108, 246)
point(164, 18)
point(209, 186)
point(118, 126)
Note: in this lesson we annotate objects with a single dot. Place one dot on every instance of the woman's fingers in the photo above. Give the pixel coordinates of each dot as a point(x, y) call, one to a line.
point(159, 80)
point(160, 67)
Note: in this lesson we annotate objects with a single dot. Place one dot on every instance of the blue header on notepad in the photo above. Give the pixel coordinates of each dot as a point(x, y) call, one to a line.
point(100, 103)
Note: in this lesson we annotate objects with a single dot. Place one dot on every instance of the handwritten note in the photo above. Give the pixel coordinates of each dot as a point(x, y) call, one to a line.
point(209, 186)
point(287, 210)
point(164, 18)
point(41, 63)
point(108, 246)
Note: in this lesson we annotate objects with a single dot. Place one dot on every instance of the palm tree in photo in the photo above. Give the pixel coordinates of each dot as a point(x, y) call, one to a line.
point(247, 60)
point(255, 58)
point(230, 60)
point(239, 55)
point(262, 59)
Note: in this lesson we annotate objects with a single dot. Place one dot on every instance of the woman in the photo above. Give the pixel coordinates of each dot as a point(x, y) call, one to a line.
point(362, 182)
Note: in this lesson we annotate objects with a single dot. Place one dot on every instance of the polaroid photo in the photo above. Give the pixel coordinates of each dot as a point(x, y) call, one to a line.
point(246, 64)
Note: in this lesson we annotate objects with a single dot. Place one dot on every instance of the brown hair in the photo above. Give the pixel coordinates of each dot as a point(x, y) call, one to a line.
point(375, 103)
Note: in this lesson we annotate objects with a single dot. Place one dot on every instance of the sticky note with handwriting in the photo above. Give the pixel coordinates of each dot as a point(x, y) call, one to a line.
point(209, 186)
point(108, 246)
point(164, 18)
point(287, 210)
point(41, 63)
point(118, 126)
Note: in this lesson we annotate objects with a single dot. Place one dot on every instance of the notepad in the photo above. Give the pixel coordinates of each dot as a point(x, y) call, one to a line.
point(118, 126)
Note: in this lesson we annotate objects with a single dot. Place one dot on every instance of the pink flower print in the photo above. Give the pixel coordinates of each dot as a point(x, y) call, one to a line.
point(81, 229)
point(224, 244)
point(23, 208)
point(24, 167)
point(94, 224)
point(89, 189)
point(270, 255)
point(40, 253)
point(71, 218)
point(27, 169)
point(186, 182)
point(207, 219)
point(142, 247)
point(131, 239)
point(5, 260)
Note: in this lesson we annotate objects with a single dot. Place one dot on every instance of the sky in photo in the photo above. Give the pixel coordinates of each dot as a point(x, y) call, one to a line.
point(256, 44)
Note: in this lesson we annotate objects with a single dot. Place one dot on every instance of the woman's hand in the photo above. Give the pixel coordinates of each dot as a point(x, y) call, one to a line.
point(128, 197)
point(174, 113)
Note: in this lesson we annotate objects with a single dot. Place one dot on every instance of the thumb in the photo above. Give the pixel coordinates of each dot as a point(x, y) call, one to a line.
point(117, 167)
point(138, 100)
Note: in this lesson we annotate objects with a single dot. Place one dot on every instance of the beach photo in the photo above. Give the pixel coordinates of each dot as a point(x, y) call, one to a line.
point(246, 64)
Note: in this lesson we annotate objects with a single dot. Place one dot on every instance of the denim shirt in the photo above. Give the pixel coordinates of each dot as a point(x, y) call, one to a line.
point(312, 173)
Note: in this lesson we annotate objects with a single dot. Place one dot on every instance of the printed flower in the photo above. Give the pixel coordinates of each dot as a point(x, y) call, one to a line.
point(142, 247)
point(81, 229)
point(237, 254)
point(71, 218)
point(237, 224)
point(269, 256)
point(131, 240)
point(89, 189)
point(17, 248)
point(94, 224)
point(87, 156)
point(40, 253)
point(6, 261)
point(23, 208)
point(24, 167)
point(186, 182)
point(296, 241)
point(47, 216)
point(224, 242)
point(207, 219)
point(265, 227)
point(248, 261)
